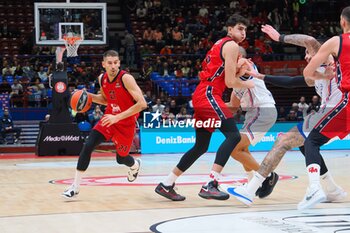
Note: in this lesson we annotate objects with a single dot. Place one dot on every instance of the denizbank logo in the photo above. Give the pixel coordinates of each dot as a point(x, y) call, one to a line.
point(153, 120)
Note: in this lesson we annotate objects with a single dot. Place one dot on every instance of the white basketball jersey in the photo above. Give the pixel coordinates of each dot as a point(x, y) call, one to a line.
point(328, 91)
point(254, 97)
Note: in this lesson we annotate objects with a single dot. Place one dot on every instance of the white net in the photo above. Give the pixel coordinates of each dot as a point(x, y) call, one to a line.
point(72, 44)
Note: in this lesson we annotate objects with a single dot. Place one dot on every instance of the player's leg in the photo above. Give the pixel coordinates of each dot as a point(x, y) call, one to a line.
point(95, 138)
point(210, 189)
point(282, 144)
point(123, 138)
point(242, 155)
point(313, 158)
point(166, 188)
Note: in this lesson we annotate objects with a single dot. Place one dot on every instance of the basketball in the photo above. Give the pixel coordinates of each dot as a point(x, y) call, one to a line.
point(80, 101)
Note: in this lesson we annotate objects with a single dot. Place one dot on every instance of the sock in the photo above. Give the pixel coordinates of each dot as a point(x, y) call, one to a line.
point(135, 166)
point(328, 182)
point(170, 180)
point(77, 179)
point(250, 175)
point(213, 176)
point(313, 171)
point(255, 183)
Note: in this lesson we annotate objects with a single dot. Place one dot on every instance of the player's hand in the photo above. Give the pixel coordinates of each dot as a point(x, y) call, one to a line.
point(109, 119)
point(271, 32)
point(329, 72)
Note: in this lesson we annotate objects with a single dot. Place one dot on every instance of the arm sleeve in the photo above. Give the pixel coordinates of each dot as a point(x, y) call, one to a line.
point(286, 81)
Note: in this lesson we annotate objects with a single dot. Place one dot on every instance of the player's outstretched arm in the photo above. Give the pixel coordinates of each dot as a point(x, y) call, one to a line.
point(308, 42)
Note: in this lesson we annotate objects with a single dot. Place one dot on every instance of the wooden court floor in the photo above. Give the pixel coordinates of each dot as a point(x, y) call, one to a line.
point(30, 198)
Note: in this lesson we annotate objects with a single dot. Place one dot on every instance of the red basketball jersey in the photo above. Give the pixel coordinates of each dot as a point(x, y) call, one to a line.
point(213, 68)
point(118, 97)
point(343, 63)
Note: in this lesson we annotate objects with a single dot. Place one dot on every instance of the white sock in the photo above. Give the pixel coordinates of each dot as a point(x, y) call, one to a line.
point(250, 175)
point(135, 166)
point(170, 180)
point(328, 182)
point(255, 183)
point(313, 171)
point(77, 179)
point(213, 176)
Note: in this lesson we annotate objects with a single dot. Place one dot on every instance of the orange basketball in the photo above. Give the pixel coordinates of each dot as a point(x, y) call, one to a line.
point(80, 101)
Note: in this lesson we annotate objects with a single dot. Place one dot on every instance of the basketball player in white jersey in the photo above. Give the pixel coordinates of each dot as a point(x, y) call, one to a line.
point(261, 115)
point(330, 94)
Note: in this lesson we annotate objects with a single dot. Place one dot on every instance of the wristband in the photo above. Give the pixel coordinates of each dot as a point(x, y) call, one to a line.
point(281, 38)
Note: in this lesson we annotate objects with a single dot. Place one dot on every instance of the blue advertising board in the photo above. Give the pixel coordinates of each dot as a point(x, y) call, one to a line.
point(178, 139)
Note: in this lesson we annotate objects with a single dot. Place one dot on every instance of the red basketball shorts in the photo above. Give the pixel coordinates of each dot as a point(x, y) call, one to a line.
point(208, 105)
point(337, 121)
point(121, 134)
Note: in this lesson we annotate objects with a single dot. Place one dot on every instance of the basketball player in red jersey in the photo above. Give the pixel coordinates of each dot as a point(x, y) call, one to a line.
point(337, 122)
point(124, 101)
point(220, 69)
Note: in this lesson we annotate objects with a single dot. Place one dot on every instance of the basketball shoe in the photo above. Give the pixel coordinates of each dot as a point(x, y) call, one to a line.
point(71, 192)
point(169, 192)
point(267, 186)
point(313, 196)
point(211, 191)
point(337, 195)
point(239, 192)
point(133, 173)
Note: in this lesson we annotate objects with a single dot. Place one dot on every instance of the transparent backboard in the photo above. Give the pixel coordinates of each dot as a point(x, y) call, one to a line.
point(54, 20)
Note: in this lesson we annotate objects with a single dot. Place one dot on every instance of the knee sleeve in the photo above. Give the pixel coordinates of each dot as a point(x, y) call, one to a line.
point(312, 147)
point(200, 147)
point(95, 138)
point(229, 129)
point(126, 160)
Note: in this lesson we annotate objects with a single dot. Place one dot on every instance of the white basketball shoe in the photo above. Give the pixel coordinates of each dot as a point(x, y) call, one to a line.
point(133, 173)
point(239, 192)
point(337, 195)
point(313, 196)
point(71, 192)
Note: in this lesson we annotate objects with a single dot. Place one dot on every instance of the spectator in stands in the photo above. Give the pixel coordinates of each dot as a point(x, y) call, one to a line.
point(174, 109)
point(178, 71)
point(148, 36)
point(299, 114)
point(7, 127)
point(7, 71)
point(164, 70)
point(96, 115)
point(114, 43)
point(42, 74)
point(148, 98)
point(275, 18)
point(314, 106)
point(18, 70)
point(292, 116)
point(182, 115)
point(37, 92)
point(141, 12)
point(16, 93)
point(166, 50)
point(158, 106)
point(282, 116)
point(81, 116)
point(302, 105)
point(177, 36)
point(5, 87)
point(165, 115)
point(129, 48)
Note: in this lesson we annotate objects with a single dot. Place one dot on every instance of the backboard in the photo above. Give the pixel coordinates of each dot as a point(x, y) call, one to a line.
point(54, 20)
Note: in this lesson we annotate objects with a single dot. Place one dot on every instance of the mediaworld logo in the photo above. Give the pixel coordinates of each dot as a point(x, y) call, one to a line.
point(154, 120)
point(63, 138)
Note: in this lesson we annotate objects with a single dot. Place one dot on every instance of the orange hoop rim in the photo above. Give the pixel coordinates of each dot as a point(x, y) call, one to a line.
point(71, 39)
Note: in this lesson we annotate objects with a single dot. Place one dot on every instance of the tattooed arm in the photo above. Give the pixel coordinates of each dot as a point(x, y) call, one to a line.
point(308, 42)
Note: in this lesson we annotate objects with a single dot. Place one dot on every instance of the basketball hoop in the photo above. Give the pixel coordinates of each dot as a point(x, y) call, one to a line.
point(72, 44)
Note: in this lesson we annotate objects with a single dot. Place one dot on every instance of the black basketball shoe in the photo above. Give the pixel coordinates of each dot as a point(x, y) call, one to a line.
point(211, 191)
point(169, 192)
point(267, 186)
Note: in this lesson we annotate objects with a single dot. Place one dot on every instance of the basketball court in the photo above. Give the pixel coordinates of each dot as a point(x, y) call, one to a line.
point(31, 201)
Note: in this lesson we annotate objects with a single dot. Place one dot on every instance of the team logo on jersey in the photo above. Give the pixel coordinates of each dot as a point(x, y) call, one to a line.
point(151, 119)
point(117, 85)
